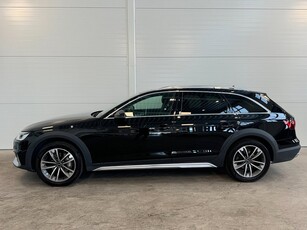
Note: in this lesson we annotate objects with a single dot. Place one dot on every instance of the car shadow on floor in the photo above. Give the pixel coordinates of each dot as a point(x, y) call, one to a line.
point(152, 176)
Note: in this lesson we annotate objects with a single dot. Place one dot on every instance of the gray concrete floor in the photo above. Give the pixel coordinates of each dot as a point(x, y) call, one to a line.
point(156, 199)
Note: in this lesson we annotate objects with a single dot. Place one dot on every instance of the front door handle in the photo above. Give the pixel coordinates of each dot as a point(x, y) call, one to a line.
point(164, 127)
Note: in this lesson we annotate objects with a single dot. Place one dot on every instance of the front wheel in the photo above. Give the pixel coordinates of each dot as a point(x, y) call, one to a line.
point(248, 161)
point(59, 164)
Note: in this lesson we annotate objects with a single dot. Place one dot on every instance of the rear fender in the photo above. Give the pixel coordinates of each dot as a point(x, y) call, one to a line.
point(242, 134)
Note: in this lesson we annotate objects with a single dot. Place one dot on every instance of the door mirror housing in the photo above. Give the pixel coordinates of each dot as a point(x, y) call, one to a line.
point(120, 117)
point(120, 114)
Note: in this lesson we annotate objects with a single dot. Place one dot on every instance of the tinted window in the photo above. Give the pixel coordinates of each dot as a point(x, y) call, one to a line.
point(203, 103)
point(240, 104)
point(157, 104)
point(264, 100)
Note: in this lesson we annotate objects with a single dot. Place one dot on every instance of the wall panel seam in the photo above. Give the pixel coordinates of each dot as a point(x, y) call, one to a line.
point(55, 103)
point(131, 34)
point(66, 56)
point(216, 8)
point(62, 7)
point(213, 56)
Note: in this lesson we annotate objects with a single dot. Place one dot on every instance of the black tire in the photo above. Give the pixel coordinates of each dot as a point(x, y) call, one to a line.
point(235, 161)
point(66, 171)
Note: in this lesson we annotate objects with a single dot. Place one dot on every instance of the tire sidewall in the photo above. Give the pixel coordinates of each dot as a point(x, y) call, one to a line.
point(229, 160)
point(70, 148)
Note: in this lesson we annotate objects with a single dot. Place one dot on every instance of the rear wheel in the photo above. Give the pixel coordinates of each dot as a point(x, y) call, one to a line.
point(248, 161)
point(59, 164)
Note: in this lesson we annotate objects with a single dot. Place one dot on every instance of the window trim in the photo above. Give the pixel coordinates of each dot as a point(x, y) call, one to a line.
point(221, 95)
point(142, 96)
point(190, 91)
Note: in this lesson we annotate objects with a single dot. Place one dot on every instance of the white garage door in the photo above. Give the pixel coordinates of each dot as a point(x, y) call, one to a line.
point(259, 45)
point(61, 57)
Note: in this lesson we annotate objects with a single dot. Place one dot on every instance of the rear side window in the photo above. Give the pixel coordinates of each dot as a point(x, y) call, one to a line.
point(202, 103)
point(243, 105)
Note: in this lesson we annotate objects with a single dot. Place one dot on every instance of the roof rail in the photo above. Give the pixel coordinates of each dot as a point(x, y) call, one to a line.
point(198, 86)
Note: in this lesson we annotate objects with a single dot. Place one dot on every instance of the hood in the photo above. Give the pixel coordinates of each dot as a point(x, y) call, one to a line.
point(56, 122)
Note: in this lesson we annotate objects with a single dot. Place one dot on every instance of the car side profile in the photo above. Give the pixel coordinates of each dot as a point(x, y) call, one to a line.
point(174, 127)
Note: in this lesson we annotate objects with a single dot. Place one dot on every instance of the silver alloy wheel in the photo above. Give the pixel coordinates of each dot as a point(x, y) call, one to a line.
point(249, 161)
point(58, 165)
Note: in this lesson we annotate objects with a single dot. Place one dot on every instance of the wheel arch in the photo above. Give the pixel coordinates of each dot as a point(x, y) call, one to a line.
point(255, 134)
point(58, 136)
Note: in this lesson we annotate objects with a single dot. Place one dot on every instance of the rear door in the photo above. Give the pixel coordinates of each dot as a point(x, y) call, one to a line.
point(203, 123)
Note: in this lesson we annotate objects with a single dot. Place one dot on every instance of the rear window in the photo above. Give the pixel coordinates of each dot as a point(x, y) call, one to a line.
point(239, 104)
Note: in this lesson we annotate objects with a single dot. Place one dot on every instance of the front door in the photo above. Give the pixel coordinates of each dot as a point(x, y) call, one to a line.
point(146, 132)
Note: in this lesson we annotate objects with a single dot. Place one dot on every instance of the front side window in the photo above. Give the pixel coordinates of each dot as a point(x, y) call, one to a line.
point(202, 103)
point(243, 105)
point(151, 105)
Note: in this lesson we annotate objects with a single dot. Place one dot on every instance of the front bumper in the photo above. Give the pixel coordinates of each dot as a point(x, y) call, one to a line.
point(16, 162)
point(20, 149)
point(287, 154)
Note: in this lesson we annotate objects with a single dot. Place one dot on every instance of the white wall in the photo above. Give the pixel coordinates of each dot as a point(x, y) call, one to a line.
point(70, 56)
point(59, 57)
point(260, 45)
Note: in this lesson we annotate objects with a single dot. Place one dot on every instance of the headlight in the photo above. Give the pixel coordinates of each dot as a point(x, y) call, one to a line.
point(22, 135)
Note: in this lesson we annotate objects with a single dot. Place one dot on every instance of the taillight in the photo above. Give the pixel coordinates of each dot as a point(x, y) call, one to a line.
point(290, 124)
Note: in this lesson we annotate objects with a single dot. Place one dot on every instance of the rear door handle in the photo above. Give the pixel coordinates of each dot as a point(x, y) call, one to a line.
point(225, 124)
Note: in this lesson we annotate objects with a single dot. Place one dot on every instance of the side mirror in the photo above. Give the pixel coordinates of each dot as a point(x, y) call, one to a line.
point(120, 117)
point(120, 114)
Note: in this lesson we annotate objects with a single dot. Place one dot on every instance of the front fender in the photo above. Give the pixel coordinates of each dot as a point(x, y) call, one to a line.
point(61, 136)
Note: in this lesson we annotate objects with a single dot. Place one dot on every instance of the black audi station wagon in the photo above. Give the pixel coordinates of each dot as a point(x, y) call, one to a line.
point(174, 127)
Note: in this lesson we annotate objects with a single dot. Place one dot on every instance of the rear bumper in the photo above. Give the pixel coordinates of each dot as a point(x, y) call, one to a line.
point(287, 154)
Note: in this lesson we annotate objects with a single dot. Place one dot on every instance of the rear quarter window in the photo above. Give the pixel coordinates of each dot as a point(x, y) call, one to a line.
point(264, 100)
point(239, 104)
